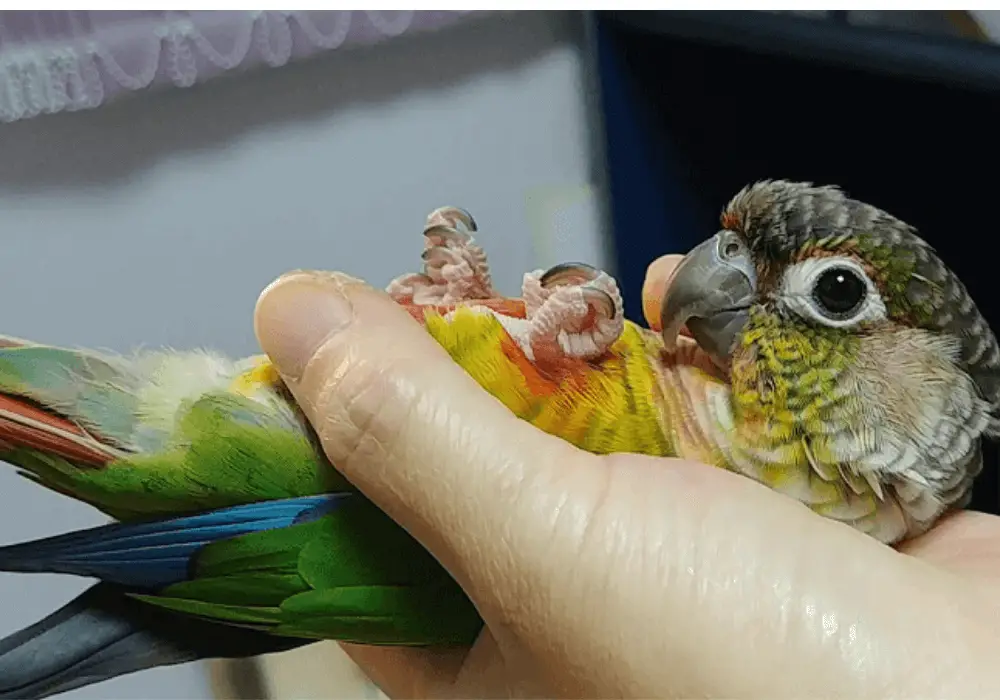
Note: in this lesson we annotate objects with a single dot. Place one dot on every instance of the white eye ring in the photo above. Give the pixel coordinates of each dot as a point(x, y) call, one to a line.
point(799, 282)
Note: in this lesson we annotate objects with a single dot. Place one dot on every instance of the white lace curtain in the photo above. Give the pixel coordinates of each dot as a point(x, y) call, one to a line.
point(55, 61)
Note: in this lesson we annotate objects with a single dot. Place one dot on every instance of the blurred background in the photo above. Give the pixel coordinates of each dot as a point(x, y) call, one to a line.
point(158, 169)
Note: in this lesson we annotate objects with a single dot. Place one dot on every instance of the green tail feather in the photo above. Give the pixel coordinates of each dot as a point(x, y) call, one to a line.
point(353, 575)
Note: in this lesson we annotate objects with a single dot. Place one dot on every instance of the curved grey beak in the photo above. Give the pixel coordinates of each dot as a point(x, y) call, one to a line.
point(711, 291)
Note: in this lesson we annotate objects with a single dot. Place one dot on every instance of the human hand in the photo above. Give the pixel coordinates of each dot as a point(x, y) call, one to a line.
point(618, 575)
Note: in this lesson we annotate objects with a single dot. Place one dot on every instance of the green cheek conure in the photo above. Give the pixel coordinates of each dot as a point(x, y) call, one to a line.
point(838, 361)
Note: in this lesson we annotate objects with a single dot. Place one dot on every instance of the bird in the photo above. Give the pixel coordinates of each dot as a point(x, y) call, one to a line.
point(814, 343)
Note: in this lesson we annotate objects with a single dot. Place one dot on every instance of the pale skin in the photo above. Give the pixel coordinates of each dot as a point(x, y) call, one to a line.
point(619, 576)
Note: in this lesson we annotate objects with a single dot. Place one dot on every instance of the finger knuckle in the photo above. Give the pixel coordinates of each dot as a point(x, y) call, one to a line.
point(360, 406)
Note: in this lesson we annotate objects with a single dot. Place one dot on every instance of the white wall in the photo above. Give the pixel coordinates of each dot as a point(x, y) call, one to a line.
point(159, 219)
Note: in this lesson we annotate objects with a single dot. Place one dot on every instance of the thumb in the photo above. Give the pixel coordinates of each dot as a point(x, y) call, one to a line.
point(392, 409)
point(655, 286)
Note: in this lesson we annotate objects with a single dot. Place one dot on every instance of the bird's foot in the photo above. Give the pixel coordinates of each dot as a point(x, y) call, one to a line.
point(455, 269)
point(570, 311)
point(573, 311)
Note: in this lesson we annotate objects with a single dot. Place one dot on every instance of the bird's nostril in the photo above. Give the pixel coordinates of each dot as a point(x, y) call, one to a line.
point(729, 246)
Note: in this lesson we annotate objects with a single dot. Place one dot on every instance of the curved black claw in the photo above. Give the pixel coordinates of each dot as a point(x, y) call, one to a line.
point(466, 218)
point(568, 273)
point(437, 257)
point(601, 301)
point(580, 274)
point(450, 218)
point(441, 233)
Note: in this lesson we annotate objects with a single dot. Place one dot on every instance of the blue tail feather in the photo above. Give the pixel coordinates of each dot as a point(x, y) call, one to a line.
point(152, 555)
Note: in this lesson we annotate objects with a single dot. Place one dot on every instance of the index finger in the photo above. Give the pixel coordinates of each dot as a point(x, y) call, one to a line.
point(657, 275)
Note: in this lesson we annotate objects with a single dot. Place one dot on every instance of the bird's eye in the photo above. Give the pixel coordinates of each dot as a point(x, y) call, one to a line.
point(839, 292)
point(833, 291)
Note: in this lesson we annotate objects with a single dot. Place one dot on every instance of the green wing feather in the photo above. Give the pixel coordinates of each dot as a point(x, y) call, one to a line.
point(175, 452)
point(352, 575)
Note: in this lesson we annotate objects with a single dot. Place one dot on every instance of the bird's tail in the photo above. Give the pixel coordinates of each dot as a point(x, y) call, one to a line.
point(103, 634)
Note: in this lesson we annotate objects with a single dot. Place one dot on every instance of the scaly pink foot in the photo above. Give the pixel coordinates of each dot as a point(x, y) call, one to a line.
point(570, 311)
point(455, 268)
point(573, 311)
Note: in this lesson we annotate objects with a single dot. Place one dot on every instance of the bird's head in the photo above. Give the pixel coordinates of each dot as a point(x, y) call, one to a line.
point(835, 320)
